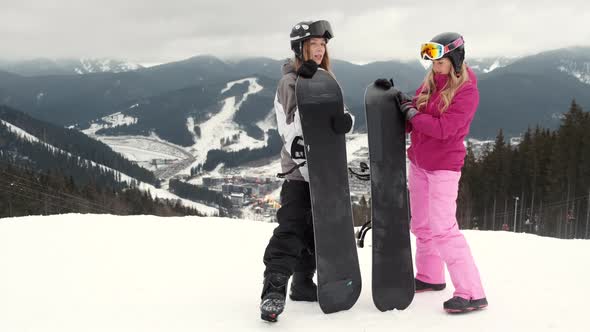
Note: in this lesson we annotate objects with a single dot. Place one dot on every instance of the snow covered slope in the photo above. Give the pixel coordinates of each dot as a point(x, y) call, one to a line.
point(72, 273)
point(221, 125)
point(580, 70)
point(156, 192)
point(172, 159)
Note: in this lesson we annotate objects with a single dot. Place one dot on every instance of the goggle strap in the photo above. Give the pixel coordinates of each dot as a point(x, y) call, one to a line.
point(458, 42)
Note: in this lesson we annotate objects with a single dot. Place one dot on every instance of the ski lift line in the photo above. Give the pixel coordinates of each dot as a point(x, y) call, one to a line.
point(501, 214)
point(59, 204)
point(55, 205)
point(80, 202)
point(32, 191)
point(21, 186)
point(89, 163)
point(548, 205)
point(46, 187)
point(38, 185)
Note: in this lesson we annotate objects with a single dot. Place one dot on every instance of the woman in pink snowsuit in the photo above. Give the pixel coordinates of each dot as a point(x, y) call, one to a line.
point(438, 118)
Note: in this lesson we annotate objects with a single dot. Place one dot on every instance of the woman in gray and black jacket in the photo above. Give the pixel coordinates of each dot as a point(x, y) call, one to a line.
point(290, 250)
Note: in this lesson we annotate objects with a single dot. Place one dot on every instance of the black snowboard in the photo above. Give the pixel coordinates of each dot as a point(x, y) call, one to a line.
point(339, 277)
point(393, 275)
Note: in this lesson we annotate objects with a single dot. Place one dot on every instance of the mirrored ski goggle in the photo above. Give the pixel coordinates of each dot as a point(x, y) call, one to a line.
point(435, 51)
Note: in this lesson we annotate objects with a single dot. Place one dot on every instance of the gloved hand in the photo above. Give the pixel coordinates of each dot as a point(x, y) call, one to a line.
point(384, 83)
point(307, 69)
point(404, 98)
point(408, 110)
point(341, 123)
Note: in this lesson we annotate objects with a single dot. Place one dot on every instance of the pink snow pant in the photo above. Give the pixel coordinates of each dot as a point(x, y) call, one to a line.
point(433, 202)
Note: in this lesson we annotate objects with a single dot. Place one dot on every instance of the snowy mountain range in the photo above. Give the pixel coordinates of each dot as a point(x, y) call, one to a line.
point(576, 62)
point(488, 65)
point(169, 118)
point(214, 129)
point(71, 273)
point(43, 67)
point(531, 90)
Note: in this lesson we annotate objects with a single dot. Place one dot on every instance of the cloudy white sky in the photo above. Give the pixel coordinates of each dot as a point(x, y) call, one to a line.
point(149, 31)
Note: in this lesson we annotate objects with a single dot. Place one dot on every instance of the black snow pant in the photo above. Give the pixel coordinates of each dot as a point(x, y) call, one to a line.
point(291, 247)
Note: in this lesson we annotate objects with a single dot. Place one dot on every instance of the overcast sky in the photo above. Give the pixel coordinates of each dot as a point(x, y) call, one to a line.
point(148, 31)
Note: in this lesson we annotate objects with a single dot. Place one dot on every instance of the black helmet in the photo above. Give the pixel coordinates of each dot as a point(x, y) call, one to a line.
point(306, 30)
point(456, 55)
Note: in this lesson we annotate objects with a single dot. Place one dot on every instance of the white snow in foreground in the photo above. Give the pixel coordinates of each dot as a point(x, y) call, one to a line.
point(72, 273)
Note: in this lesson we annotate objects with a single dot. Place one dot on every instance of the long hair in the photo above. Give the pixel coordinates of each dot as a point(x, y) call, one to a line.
point(448, 91)
point(307, 55)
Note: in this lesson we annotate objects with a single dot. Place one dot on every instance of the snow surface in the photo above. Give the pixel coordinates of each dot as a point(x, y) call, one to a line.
point(488, 65)
point(270, 122)
point(72, 273)
point(221, 125)
point(165, 194)
point(111, 121)
point(143, 150)
point(356, 143)
point(176, 160)
point(24, 135)
point(494, 66)
point(104, 65)
point(581, 71)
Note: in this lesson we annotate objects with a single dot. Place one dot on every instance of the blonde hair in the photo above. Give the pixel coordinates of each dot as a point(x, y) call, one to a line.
point(307, 56)
point(448, 91)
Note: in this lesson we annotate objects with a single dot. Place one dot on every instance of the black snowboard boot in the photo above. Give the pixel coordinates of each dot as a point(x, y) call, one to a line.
point(273, 296)
point(303, 288)
point(458, 305)
point(422, 286)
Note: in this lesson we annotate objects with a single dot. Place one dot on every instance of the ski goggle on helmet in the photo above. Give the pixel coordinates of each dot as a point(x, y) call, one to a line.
point(435, 51)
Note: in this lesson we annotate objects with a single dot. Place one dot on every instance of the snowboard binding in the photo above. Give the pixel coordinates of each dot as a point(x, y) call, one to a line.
point(363, 176)
point(360, 236)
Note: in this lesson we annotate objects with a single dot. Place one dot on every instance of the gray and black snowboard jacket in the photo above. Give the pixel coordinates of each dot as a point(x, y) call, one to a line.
point(289, 125)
